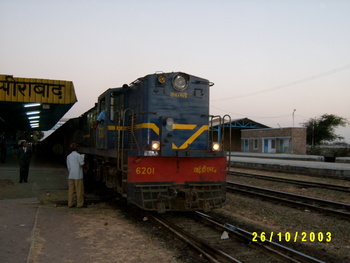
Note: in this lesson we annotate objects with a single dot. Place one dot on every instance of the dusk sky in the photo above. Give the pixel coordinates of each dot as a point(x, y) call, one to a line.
point(267, 58)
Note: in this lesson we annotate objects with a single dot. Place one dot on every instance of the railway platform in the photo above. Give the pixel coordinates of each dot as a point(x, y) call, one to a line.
point(309, 165)
point(33, 229)
point(19, 212)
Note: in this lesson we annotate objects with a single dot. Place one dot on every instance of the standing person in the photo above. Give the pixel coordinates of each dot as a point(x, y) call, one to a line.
point(101, 118)
point(24, 156)
point(3, 151)
point(75, 162)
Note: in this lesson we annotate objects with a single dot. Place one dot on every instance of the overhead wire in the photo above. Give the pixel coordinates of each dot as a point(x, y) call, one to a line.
point(297, 82)
point(320, 75)
point(250, 116)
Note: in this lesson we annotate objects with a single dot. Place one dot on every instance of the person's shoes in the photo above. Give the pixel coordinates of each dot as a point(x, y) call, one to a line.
point(20, 181)
point(26, 181)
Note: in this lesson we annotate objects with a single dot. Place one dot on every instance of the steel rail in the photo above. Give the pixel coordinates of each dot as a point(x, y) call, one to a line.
point(293, 181)
point(208, 251)
point(295, 199)
point(217, 255)
point(283, 251)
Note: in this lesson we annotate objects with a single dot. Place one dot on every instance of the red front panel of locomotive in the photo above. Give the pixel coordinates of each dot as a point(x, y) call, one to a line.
point(177, 170)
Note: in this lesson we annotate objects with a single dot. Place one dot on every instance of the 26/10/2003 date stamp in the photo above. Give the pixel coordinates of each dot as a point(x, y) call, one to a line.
point(292, 237)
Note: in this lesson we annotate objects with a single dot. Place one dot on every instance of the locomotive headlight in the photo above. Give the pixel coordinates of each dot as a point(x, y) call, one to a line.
point(169, 121)
point(215, 146)
point(169, 124)
point(155, 145)
point(180, 82)
point(161, 79)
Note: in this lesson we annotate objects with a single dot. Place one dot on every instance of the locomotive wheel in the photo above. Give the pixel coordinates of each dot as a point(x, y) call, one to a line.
point(98, 171)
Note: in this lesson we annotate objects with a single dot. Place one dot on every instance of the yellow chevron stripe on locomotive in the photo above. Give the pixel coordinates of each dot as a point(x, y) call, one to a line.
point(155, 128)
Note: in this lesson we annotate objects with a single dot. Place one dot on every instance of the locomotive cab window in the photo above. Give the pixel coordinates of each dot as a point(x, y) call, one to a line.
point(102, 111)
point(117, 106)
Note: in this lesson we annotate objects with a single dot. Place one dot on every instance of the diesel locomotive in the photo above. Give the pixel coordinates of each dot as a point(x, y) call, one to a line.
point(151, 141)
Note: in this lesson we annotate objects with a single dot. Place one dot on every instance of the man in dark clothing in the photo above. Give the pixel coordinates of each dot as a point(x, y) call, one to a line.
point(24, 155)
point(3, 151)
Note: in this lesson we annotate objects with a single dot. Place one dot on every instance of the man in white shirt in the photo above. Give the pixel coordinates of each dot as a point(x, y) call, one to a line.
point(75, 162)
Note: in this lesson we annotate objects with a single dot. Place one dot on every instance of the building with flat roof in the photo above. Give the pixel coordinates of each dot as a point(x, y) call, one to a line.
point(246, 135)
point(274, 140)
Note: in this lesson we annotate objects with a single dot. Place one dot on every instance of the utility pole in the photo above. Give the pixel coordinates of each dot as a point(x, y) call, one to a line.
point(293, 116)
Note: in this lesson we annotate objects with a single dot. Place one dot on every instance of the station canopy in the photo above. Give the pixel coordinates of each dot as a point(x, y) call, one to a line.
point(34, 104)
point(243, 123)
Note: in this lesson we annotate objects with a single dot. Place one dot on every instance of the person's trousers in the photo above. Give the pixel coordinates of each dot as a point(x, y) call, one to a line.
point(23, 173)
point(76, 189)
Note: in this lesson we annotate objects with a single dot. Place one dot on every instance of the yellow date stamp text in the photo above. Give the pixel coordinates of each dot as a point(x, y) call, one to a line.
point(292, 236)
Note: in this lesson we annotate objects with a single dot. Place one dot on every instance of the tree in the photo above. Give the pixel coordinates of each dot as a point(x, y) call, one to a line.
point(322, 129)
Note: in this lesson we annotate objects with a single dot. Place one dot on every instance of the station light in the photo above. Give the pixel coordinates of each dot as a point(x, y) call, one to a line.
point(34, 117)
point(32, 112)
point(31, 105)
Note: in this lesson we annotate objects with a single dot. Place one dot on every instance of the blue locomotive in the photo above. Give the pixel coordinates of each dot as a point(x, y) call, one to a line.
point(151, 142)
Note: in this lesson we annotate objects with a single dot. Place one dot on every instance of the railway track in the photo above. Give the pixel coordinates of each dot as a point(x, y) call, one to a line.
point(203, 232)
point(293, 181)
point(321, 205)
